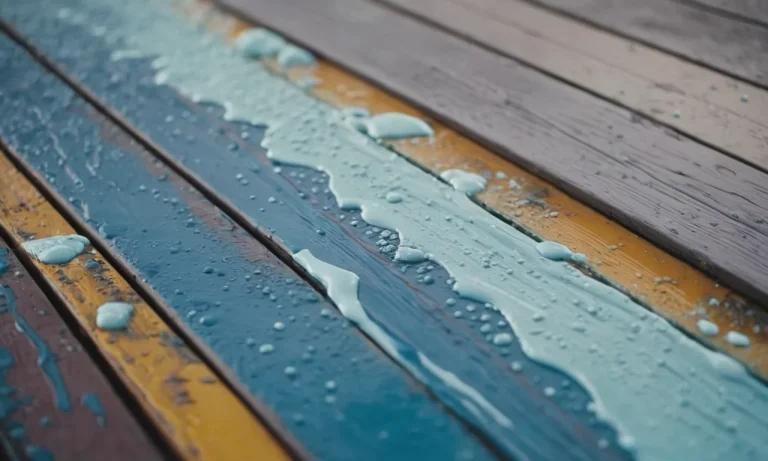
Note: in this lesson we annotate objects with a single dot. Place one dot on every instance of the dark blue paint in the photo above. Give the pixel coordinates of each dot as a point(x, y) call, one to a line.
point(4, 263)
point(306, 217)
point(93, 404)
point(46, 359)
point(171, 236)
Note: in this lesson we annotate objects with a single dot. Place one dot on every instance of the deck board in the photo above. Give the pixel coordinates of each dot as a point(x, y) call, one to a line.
point(233, 307)
point(191, 407)
point(46, 373)
point(749, 10)
point(699, 102)
point(729, 45)
point(695, 202)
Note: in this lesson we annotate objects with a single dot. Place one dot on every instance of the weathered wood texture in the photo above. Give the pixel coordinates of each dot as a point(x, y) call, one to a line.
point(407, 308)
point(223, 285)
point(696, 202)
point(749, 10)
point(726, 44)
point(48, 380)
point(197, 414)
point(693, 99)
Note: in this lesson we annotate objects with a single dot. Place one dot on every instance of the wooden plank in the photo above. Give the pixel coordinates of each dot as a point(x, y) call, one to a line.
point(748, 10)
point(294, 224)
point(695, 100)
point(199, 416)
point(171, 236)
point(696, 202)
point(671, 287)
point(48, 382)
point(730, 46)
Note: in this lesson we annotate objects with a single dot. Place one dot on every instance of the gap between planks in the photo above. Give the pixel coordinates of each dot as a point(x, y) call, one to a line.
point(703, 104)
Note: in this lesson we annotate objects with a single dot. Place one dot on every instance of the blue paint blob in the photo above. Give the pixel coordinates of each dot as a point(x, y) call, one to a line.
point(91, 264)
point(60, 249)
point(554, 251)
point(46, 359)
point(394, 125)
point(293, 56)
point(259, 43)
point(91, 402)
point(37, 453)
point(114, 315)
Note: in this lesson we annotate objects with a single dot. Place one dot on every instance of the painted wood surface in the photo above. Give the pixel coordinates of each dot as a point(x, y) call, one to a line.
point(749, 10)
point(408, 308)
point(692, 200)
point(701, 103)
point(731, 46)
point(192, 409)
point(314, 371)
point(54, 401)
point(668, 285)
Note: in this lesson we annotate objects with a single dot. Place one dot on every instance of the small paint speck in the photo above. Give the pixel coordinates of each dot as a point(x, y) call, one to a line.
point(266, 349)
point(737, 339)
point(502, 339)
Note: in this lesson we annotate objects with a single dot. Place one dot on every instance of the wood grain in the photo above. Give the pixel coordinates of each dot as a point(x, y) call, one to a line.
point(731, 46)
point(695, 100)
point(696, 202)
point(225, 288)
point(41, 417)
point(191, 407)
point(748, 10)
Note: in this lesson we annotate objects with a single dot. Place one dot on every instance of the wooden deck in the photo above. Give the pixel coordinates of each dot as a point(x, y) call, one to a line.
point(254, 233)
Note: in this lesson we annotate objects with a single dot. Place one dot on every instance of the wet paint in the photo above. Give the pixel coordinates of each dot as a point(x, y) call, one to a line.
point(292, 56)
point(171, 236)
point(564, 283)
point(259, 42)
point(114, 315)
point(393, 125)
point(383, 285)
point(464, 181)
point(93, 404)
point(5, 264)
point(56, 250)
point(46, 359)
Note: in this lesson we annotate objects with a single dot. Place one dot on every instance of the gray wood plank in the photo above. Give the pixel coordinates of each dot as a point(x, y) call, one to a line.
point(731, 46)
point(749, 10)
point(699, 203)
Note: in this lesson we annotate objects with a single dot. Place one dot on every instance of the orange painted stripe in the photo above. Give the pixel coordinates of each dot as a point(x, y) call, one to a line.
point(671, 287)
point(198, 415)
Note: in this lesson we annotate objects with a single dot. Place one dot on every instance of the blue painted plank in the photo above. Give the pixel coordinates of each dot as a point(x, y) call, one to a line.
point(395, 296)
point(229, 290)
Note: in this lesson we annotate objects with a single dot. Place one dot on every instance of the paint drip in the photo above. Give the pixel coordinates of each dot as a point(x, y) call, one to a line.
point(259, 43)
point(60, 249)
point(464, 181)
point(5, 264)
point(93, 404)
point(292, 56)
point(394, 125)
point(114, 316)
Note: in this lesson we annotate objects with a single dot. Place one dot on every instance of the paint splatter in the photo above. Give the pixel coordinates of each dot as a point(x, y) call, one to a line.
point(464, 181)
point(114, 315)
point(93, 404)
point(60, 249)
point(394, 125)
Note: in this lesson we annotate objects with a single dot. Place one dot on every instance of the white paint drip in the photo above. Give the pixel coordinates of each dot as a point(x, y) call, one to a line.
point(667, 396)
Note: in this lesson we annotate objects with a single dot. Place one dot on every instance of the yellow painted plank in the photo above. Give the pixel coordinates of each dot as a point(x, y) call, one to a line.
point(671, 287)
point(198, 415)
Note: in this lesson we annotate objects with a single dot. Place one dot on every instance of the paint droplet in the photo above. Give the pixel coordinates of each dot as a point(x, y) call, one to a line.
point(516, 366)
point(290, 372)
point(56, 250)
point(394, 125)
point(464, 181)
point(293, 56)
point(549, 391)
point(266, 349)
point(394, 197)
point(113, 316)
point(502, 339)
point(259, 42)
point(279, 326)
point(737, 339)
point(330, 385)
point(410, 255)
point(707, 328)
point(554, 251)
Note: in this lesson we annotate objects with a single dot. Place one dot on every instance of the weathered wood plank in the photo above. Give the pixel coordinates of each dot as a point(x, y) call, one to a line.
point(222, 284)
point(750, 10)
point(695, 100)
point(731, 46)
point(55, 402)
point(696, 202)
point(191, 407)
